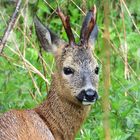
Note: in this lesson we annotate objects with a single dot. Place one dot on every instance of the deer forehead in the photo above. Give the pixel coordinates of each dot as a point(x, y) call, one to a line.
point(78, 57)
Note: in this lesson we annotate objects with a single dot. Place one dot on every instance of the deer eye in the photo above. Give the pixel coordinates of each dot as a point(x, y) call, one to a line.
point(97, 70)
point(68, 71)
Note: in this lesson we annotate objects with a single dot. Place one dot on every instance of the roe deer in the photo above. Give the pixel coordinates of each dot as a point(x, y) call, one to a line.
point(73, 88)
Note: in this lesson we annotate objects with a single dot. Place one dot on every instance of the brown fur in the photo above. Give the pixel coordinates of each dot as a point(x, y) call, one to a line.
point(61, 115)
point(23, 125)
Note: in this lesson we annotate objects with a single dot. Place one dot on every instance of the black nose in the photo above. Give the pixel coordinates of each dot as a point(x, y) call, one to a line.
point(91, 95)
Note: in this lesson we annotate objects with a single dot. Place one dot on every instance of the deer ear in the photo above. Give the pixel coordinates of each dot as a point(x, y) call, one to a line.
point(48, 40)
point(93, 36)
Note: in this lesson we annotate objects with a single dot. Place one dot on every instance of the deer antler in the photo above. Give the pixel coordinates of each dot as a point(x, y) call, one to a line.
point(66, 23)
point(88, 25)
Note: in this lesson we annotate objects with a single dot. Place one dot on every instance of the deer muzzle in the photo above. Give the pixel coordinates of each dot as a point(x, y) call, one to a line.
point(87, 97)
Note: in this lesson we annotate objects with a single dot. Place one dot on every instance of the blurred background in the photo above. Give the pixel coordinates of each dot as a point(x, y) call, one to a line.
point(25, 70)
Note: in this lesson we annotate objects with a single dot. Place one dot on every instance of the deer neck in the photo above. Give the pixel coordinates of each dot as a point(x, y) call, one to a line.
point(63, 117)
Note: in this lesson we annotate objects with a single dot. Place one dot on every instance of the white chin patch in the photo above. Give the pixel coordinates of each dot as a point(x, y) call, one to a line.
point(87, 103)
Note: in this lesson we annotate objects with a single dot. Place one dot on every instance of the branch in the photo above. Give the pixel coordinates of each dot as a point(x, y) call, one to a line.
point(106, 70)
point(10, 26)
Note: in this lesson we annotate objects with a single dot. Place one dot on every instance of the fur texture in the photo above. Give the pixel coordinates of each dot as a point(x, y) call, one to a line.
point(61, 115)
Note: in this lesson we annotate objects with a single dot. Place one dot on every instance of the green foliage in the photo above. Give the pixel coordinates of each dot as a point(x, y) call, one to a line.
point(17, 89)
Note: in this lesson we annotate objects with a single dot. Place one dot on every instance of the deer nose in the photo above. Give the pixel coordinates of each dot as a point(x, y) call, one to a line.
point(91, 95)
point(87, 96)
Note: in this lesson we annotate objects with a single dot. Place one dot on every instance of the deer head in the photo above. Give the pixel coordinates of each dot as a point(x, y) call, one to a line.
point(76, 75)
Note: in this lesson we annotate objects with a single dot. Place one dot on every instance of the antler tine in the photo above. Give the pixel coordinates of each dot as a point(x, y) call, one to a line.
point(66, 23)
point(88, 25)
